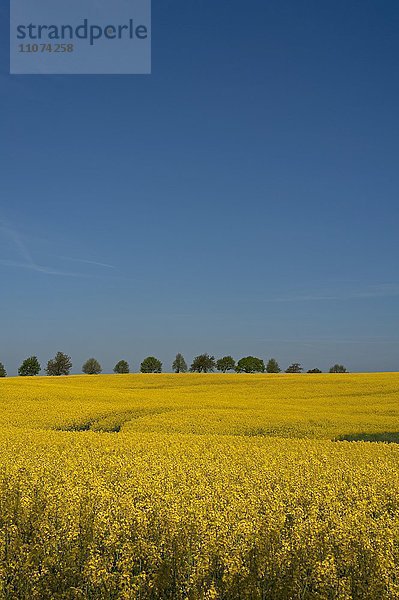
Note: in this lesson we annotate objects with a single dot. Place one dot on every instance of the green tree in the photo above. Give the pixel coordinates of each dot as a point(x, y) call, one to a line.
point(250, 364)
point(203, 363)
point(92, 367)
point(294, 368)
point(273, 366)
point(29, 367)
point(122, 367)
point(227, 363)
point(314, 371)
point(151, 365)
point(338, 369)
point(3, 372)
point(61, 364)
point(179, 364)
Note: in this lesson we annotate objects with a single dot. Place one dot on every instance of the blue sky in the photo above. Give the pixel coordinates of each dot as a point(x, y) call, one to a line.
point(242, 199)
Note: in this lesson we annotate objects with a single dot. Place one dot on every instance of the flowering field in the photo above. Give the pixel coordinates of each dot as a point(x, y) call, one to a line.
point(200, 486)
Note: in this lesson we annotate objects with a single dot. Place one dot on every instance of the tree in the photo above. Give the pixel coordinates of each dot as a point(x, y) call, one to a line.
point(122, 367)
point(92, 367)
point(179, 364)
point(294, 368)
point(3, 372)
point(203, 364)
point(29, 367)
point(250, 364)
point(61, 364)
point(338, 369)
point(151, 365)
point(227, 363)
point(314, 371)
point(272, 366)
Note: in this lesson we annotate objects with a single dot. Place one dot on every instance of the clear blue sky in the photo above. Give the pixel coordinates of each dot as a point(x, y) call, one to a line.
point(242, 199)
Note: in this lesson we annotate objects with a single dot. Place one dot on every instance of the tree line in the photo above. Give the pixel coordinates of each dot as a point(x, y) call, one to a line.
point(61, 364)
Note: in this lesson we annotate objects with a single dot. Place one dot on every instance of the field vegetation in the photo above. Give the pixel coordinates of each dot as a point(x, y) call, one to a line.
point(200, 486)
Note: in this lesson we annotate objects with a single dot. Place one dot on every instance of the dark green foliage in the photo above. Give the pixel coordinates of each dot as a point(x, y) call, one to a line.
point(179, 364)
point(203, 364)
point(227, 363)
point(250, 364)
point(29, 367)
point(122, 367)
point(273, 366)
point(92, 367)
point(61, 364)
point(338, 369)
point(3, 372)
point(294, 368)
point(151, 365)
point(314, 371)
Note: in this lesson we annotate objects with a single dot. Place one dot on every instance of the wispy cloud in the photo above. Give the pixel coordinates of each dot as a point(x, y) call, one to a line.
point(38, 268)
point(26, 261)
point(381, 290)
point(87, 262)
point(18, 242)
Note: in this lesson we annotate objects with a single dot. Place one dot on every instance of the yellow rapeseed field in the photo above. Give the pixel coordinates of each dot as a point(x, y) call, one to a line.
point(200, 487)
